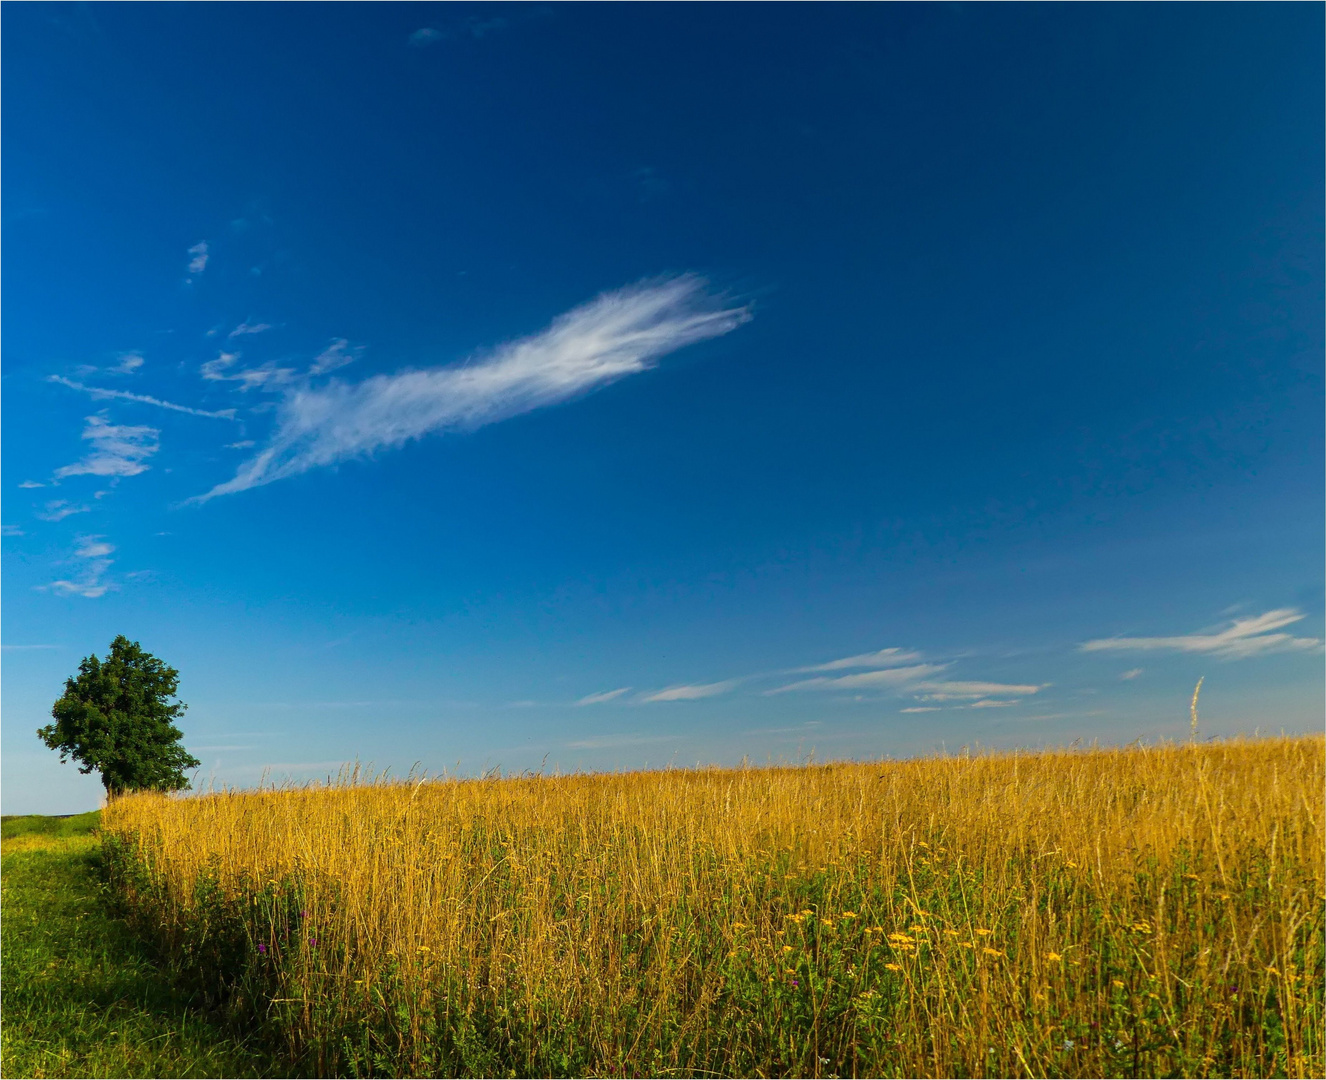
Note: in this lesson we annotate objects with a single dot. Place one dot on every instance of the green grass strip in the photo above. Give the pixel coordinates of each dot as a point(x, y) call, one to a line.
point(81, 997)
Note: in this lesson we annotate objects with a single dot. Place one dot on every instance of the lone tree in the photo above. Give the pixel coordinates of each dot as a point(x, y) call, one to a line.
point(116, 717)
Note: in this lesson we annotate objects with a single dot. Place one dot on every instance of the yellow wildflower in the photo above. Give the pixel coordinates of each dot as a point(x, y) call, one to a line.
point(1053, 956)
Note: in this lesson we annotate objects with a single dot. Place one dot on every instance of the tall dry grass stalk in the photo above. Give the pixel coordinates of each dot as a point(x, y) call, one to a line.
point(1149, 911)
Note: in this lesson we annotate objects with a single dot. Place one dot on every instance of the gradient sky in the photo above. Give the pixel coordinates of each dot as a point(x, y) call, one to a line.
point(611, 386)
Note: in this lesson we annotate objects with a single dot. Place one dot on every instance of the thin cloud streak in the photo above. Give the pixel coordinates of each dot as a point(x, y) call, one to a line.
point(881, 659)
point(612, 742)
point(100, 394)
point(59, 509)
point(606, 695)
point(866, 680)
point(950, 689)
point(617, 334)
point(336, 355)
point(1242, 638)
point(249, 328)
point(690, 693)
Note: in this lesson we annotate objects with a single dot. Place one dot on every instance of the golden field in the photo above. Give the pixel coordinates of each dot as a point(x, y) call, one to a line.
point(1135, 912)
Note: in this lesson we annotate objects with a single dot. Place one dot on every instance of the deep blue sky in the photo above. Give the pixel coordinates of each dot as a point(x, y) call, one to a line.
point(680, 351)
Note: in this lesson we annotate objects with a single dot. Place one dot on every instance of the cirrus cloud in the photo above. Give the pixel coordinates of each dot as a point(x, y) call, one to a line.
point(866, 680)
point(689, 693)
point(617, 334)
point(117, 450)
point(1242, 638)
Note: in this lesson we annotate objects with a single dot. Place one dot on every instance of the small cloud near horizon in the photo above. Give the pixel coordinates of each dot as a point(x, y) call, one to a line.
point(611, 742)
point(1241, 639)
point(866, 680)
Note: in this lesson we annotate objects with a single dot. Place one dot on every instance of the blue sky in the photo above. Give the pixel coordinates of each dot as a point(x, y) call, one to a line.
point(629, 385)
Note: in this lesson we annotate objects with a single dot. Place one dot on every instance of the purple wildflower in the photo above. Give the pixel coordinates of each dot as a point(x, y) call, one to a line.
point(261, 947)
point(312, 941)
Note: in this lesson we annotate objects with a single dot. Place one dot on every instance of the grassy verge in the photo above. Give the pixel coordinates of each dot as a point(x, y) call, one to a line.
point(80, 995)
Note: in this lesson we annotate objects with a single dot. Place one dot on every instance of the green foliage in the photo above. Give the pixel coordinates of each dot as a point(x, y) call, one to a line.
point(116, 717)
point(82, 996)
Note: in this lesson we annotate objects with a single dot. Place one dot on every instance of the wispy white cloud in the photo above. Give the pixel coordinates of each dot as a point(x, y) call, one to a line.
point(866, 680)
point(689, 693)
point(128, 363)
point(247, 327)
point(223, 369)
point(59, 509)
point(611, 742)
point(880, 659)
point(10, 530)
point(95, 554)
point(1242, 638)
point(425, 36)
point(990, 703)
point(117, 450)
point(336, 355)
point(198, 258)
point(961, 689)
point(615, 335)
point(100, 394)
point(606, 695)
point(31, 484)
point(243, 444)
point(920, 708)
point(1131, 673)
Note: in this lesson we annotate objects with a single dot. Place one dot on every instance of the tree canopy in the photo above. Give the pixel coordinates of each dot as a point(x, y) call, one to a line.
point(117, 717)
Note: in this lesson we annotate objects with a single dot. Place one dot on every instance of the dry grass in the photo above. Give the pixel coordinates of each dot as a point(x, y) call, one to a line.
point(1106, 912)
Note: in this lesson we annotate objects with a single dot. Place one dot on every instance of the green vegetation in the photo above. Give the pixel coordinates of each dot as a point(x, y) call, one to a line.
point(116, 717)
point(81, 996)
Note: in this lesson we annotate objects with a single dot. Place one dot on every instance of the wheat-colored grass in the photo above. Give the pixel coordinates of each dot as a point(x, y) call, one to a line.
point(1148, 911)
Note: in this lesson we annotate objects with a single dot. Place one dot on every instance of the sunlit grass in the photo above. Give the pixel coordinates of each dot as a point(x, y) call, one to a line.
point(1107, 912)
